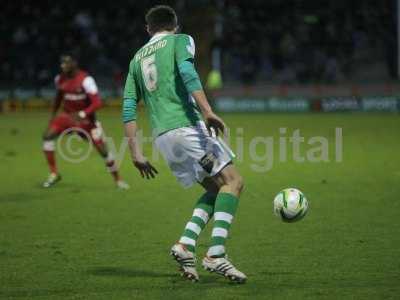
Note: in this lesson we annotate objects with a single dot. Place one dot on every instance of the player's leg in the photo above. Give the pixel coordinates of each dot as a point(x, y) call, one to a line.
point(170, 146)
point(55, 128)
point(230, 185)
point(191, 159)
point(202, 213)
point(49, 148)
point(184, 250)
point(96, 134)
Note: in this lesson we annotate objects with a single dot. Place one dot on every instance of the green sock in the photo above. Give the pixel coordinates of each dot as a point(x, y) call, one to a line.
point(202, 213)
point(225, 208)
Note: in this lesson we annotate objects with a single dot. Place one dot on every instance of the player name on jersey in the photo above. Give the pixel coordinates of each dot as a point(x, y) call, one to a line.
point(150, 49)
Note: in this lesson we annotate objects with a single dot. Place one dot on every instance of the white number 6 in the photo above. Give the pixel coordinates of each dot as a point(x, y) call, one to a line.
point(149, 71)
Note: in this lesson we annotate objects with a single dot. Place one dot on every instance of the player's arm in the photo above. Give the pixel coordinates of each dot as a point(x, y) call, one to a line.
point(58, 99)
point(92, 92)
point(185, 50)
point(145, 168)
point(129, 115)
point(211, 119)
point(56, 103)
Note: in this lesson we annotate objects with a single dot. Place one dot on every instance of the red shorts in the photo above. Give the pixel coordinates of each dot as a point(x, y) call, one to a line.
point(65, 124)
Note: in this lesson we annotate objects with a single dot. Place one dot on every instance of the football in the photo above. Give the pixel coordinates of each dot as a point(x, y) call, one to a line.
point(290, 205)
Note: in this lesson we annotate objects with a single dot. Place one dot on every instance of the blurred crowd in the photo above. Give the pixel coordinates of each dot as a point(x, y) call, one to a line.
point(33, 35)
point(285, 41)
point(296, 41)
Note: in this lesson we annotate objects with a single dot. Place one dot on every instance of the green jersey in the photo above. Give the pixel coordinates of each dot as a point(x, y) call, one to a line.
point(154, 77)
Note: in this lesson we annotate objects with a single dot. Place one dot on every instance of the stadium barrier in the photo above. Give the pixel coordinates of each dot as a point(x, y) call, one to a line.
point(40, 104)
point(41, 99)
point(325, 104)
point(230, 104)
point(383, 97)
point(261, 98)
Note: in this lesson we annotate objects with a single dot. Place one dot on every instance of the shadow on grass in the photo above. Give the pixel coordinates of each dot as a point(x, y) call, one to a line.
point(38, 193)
point(271, 273)
point(18, 197)
point(125, 272)
point(209, 279)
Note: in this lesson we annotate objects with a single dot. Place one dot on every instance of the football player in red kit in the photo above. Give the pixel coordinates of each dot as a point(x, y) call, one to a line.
point(77, 93)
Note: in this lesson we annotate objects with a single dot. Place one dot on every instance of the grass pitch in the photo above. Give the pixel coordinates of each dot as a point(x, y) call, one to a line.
point(84, 239)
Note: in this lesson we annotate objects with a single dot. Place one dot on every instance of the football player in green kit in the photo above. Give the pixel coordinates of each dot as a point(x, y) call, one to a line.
point(162, 74)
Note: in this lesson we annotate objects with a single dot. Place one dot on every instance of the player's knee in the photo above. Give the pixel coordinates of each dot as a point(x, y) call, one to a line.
point(49, 145)
point(236, 183)
point(239, 184)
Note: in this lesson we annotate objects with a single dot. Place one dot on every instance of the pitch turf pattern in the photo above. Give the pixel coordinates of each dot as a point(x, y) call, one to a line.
point(86, 240)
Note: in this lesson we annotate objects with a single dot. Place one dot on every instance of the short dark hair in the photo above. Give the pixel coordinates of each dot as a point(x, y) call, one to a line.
point(73, 55)
point(161, 17)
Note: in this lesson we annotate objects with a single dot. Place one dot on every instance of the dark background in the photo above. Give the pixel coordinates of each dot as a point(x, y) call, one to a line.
point(291, 42)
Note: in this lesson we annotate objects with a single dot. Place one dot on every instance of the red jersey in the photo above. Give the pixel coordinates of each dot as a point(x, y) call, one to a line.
point(77, 93)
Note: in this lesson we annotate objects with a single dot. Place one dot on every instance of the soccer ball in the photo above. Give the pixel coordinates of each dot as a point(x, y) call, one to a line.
point(290, 205)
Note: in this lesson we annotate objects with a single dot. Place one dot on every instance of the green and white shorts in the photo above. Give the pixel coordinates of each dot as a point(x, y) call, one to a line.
point(192, 154)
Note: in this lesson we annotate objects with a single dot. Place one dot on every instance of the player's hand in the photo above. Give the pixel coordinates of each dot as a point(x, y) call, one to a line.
point(214, 122)
point(80, 115)
point(145, 168)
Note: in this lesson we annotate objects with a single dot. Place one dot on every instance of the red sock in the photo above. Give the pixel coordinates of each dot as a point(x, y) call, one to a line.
point(51, 160)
